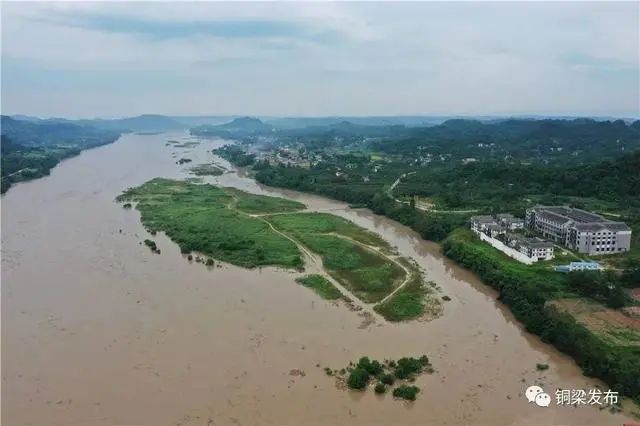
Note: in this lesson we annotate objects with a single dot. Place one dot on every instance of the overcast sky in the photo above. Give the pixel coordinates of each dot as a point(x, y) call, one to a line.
point(118, 59)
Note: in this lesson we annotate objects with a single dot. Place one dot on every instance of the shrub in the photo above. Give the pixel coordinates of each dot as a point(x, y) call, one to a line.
point(372, 367)
point(209, 262)
point(542, 367)
point(406, 392)
point(358, 378)
point(406, 367)
point(380, 388)
point(151, 244)
point(387, 379)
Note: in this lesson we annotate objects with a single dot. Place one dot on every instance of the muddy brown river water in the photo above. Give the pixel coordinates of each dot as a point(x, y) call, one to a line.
point(97, 330)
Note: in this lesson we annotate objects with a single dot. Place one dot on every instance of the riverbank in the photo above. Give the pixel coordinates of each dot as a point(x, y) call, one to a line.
point(251, 231)
point(103, 331)
point(524, 290)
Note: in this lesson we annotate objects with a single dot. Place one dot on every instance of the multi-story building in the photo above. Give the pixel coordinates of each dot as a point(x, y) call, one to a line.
point(579, 230)
point(509, 221)
point(535, 248)
point(482, 224)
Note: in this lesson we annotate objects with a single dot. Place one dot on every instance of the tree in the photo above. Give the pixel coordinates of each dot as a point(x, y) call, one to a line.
point(358, 378)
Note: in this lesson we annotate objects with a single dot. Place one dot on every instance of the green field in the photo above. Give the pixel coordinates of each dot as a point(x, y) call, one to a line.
point(324, 223)
point(321, 286)
point(261, 204)
point(207, 170)
point(199, 218)
point(366, 273)
point(235, 227)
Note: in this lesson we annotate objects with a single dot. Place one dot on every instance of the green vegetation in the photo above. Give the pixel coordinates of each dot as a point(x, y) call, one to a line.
point(152, 245)
point(407, 368)
point(235, 155)
point(432, 179)
point(542, 367)
point(365, 272)
point(30, 149)
point(408, 303)
point(322, 286)
point(207, 170)
point(200, 218)
point(387, 379)
point(406, 392)
point(358, 379)
point(324, 223)
point(189, 144)
point(236, 227)
point(184, 161)
point(380, 388)
point(530, 292)
point(261, 204)
point(404, 370)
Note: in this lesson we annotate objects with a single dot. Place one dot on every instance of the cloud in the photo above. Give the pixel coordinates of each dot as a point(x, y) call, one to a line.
point(165, 30)
point(320, 58)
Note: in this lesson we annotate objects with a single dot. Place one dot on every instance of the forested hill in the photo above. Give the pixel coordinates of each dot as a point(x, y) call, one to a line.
point(30, 149)
point(49, 133)
point(504, 184)
point(580, 139)
point(537, 140)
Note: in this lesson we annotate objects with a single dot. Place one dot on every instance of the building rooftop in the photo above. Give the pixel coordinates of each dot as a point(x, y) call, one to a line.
point(505, 216)
point(602, 226)
point(583, 220)
point(483, 219)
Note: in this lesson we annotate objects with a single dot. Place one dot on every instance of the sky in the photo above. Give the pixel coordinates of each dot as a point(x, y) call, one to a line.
point(98, 59)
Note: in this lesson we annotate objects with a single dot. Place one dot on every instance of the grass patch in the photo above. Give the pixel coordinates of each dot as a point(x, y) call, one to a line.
point(324, 223)
point(197, 218)
point(366, 273)
point(207, 170)
point(415, 300)
point(407, 304)
point(261, 204)
point(322, 286)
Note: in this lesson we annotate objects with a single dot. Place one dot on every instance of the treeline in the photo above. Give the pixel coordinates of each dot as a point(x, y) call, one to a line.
point(431, 226)
point(21, 163)
point(31, 149)
point(605, 287)
point(498, 184)
point(550, 139)
point(527, 295)
point(235, 155)
point(47, 133)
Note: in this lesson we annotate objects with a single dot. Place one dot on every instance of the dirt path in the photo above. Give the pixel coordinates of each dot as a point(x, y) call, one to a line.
point(315, 260)
point(406, 270)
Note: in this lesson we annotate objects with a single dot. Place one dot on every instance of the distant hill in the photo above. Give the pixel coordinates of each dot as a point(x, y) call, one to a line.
point(201, 120)
point(49, 133)
point(238, 128)
point(31, 148)
point(141, 123)
point(247, 124)
point(584, 139)
point(302, 122)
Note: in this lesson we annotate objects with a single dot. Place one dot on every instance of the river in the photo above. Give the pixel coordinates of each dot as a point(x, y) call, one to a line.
point(97, 330)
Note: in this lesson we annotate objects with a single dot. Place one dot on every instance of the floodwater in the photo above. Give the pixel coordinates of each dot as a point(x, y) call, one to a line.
point(97, 330)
